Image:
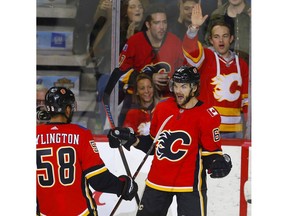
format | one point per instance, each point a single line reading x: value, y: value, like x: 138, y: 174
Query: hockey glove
x: 220, y: 166
x: 121, y: 136
x: 130, y: 187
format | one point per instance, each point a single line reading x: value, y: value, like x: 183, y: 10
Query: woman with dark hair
x: 131, y: 19
x: 144, y: 100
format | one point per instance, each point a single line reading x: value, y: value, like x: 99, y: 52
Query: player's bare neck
x: 193, y: 101
x: 58, y: 119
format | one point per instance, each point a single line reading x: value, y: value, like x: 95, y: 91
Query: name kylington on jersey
x: 55, y: 138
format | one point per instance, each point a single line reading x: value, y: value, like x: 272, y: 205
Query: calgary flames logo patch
x: 222, y: 89
x: 173, y: 148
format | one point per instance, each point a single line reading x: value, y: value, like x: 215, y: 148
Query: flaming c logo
x: 171, y: 138
x: 222, y: 89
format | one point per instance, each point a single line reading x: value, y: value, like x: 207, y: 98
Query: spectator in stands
x: 224, y: 75
x: 179, y: 26
x: 153, y: 46
x: 100, y: 39
x: 170, y: 6
x: 209, y: 6
x: 131, y: 19
x: 143, y: 102
x: 240, y: 11
x: 179, y: 21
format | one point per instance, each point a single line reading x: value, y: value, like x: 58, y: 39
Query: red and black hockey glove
x: 121, y: 136
x: 220, y: 166
x: 130, y: 187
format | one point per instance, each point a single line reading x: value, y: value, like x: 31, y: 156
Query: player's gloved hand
x: 121, y: 136
x: 220, y: 166
x: 114, y: 141
x: 130, y: 187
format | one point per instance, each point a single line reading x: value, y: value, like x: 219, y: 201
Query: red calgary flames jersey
x: 139, y: 120
x: 64, y: 153
x: 187, y: 136
x: 138, y: 53
x: 224, y: 84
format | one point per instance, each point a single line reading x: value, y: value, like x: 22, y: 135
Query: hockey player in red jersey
x: 68, y: 162
x: 188, y: 145
x: 224, y: 75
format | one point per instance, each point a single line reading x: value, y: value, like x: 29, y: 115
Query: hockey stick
x: 144, y: 160
x: 125, y: 163
x: 105, y: 101
x: 152, y: 147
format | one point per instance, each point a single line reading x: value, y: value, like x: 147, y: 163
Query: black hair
x: 153, y: 8
x: 124, y: 21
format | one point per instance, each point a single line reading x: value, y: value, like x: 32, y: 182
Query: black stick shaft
x: 143, y: 161
x: 124, y: 160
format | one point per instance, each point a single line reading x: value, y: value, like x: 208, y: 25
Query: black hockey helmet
x: 186, y: 74
x: 58, y: 98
